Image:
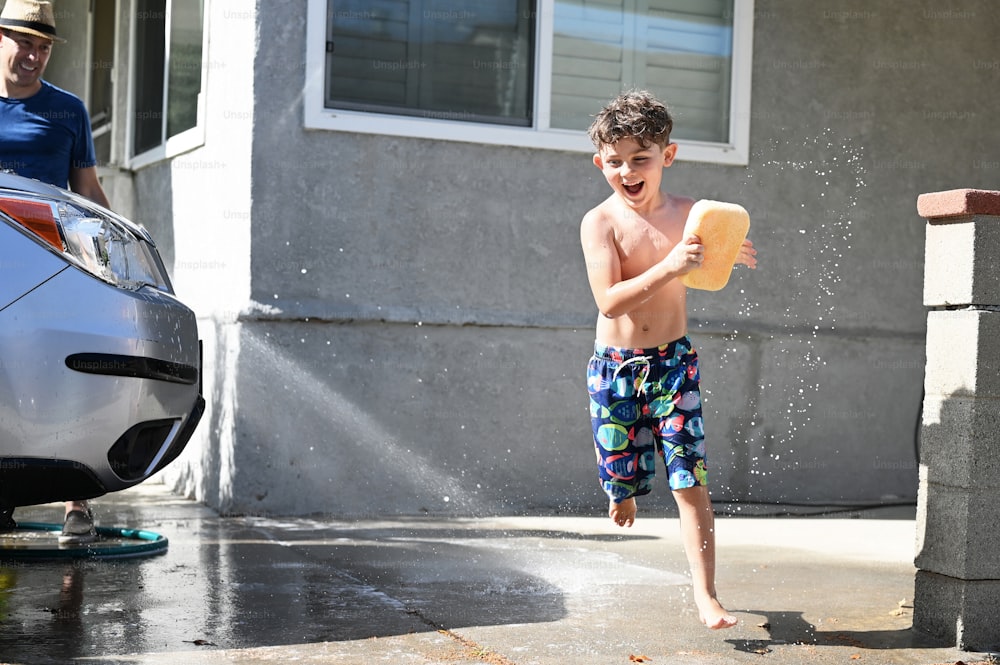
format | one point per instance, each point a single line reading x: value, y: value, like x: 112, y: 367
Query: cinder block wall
x: 958, y: 581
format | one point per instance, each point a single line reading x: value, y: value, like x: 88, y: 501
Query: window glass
x: 102, y: 61
x: 167, y: 70
x: 184, y: 76
x: 680, y: 49
x: 530, y: 73
x: 442, y: 59
x: 150, y: 22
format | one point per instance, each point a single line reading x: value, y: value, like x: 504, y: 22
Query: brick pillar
x: 957, y: 590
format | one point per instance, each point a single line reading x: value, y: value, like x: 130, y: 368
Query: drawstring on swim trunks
x: 640, y: 384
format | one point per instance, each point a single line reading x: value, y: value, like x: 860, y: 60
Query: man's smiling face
x: 23, y: 59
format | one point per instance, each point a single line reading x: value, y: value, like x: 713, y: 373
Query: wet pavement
x: 519, y: 590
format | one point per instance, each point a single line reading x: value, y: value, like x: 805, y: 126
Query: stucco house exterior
x: 374, y: 208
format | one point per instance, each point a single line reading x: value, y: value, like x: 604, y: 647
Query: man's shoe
x: 78, y: 528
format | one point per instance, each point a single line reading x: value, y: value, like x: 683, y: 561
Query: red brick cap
x: 958, y: 202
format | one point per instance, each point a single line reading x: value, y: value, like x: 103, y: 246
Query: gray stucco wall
x: 422, y: 318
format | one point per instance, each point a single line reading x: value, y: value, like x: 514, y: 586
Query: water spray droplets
x: 832, y: 169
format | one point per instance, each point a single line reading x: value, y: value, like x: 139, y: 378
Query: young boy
x: 643, y: 377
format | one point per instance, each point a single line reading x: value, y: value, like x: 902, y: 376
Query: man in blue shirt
x: 44, y: 131
x: 44, y: 134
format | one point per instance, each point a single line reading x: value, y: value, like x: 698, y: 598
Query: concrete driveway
x: 520, y: 590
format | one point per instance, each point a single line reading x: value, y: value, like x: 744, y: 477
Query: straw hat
x: 31, y: 16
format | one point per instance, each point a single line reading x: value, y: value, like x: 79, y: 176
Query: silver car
x: 99, y: 362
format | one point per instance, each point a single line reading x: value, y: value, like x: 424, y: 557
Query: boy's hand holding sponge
x: 722, y: 228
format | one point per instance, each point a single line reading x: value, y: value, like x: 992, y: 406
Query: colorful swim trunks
x: 645, y: 402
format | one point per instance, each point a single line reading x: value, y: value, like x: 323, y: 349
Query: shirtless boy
x: 643, y: 377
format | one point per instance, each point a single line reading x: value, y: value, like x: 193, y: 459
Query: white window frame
x: 187, y: 140
x: 540, y: 135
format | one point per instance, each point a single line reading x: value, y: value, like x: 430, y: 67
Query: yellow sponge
x: 722, y: 228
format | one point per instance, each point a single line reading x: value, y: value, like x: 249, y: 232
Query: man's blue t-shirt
x: 45, y: 135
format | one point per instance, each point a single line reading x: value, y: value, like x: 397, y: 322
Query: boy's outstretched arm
x: 747, y: 255
x: 614, y: 295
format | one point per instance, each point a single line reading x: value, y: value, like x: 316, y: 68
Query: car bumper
x: 99, y: 389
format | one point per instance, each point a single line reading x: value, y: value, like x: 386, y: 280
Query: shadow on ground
x: 791, y: 628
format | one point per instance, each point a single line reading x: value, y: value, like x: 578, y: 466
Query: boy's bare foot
x: 623, y: 513
x: 714, y: 615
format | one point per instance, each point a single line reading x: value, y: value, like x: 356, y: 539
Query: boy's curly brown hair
x: 635, y: 114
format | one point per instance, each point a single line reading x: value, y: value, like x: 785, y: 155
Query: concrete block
x: 921, y: 530
x: 957, y: 203
x: 958, y: 531
x: 960, y: 440
x: 962, y: 262
x: 963, y: 353
x: 960, y: 611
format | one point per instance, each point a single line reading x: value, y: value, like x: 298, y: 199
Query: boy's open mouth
x: 633, y: 189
